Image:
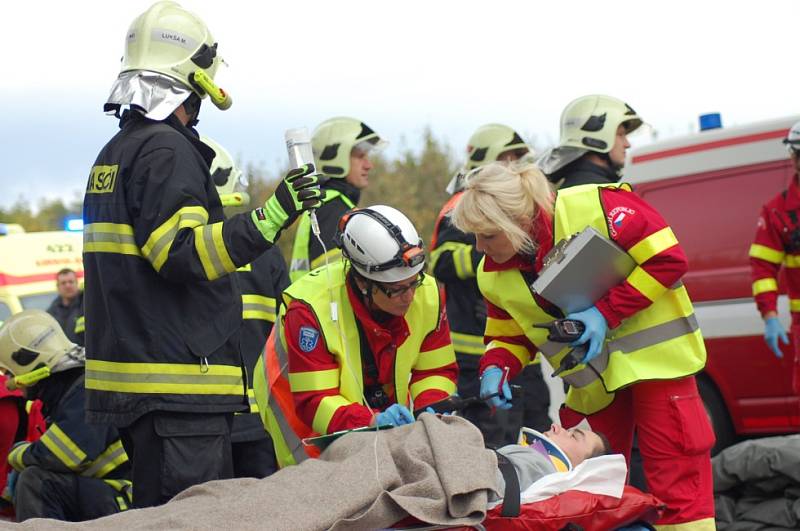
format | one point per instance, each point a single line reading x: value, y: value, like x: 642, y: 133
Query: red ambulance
x: 710, y: 187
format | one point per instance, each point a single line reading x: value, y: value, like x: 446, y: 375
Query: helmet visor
x: 372, y: 146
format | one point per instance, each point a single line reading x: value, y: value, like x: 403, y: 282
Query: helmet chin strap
x: 617, y: 168
x: 192, y: 107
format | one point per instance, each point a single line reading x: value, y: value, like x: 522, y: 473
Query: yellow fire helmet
x: 591, y: 122
x: 169, y: 53
x: 334, y: 139
x: 490, y: 141
x: 227, y: 176
x: 33, y: 341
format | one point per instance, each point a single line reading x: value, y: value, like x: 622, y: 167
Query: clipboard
x: 581, y: 269
x: 323, y: 441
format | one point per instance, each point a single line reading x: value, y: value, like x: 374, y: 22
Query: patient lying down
x: 556, y: 450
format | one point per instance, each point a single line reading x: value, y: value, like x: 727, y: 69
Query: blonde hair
x: 501, y: 197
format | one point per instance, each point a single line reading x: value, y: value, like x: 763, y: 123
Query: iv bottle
x: 298, y: 147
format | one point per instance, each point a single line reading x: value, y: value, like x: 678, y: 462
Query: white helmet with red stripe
x: 792, y: 139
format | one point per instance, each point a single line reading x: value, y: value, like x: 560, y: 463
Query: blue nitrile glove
x: 772, y: 331
x: 595, y: 333
x: 494, y: 382
x: 10, y: 492
x: 396, y: 415
x: 296, y: 193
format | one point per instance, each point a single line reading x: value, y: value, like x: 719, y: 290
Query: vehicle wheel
x: 717, y: 414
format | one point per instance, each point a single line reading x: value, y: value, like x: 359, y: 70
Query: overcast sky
x: 399, y: 66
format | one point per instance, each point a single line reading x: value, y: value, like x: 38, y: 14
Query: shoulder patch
x: 618, y: 217
x: 308, y: 339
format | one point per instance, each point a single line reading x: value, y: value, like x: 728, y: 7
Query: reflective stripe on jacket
x: 662, y: 341
x: 70, y: 445
x: 776, y: 246
x: 273, y: 384
x: 163, y: 312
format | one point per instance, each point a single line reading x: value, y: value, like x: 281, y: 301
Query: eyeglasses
x: 397, y: 291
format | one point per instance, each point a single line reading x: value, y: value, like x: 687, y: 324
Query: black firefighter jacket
x: 162, y: 312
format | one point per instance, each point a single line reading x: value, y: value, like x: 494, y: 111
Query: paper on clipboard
x: 323, y: 441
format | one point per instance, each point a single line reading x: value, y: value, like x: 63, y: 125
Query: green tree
x: 49, y: 215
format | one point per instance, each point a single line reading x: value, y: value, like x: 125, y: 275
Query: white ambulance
x: 29, y: 262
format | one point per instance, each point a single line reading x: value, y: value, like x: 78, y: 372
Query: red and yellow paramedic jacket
x: 310, y: 381
x: 773, y: 247
x: 631, y: 223
x: 384, y: 338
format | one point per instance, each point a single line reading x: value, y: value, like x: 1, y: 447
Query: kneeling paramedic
x: 360, y: 340
x: 76, y: 471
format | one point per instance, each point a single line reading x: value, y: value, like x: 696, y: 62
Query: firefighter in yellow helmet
x: 76, y: 471
x: 594, y: 140
x: 163, y: 314
x: 454, y: 261
x: 342, y: 148
x: 261, y: 283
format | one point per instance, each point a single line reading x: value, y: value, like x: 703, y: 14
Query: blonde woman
x: 643, y: 341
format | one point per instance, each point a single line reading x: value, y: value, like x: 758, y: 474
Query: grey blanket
x: 435, y: 469
x: 757, y: 485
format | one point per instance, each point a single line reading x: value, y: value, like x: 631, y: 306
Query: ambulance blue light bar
x: 73, y: 224
x: 712, y: 120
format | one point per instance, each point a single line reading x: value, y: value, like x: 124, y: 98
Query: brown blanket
x: 435, y: 469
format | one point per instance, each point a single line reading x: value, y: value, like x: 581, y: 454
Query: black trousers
x: 254, y: 459
x: 63, y: 496
x: 170, y: 452
x: 502, y: 427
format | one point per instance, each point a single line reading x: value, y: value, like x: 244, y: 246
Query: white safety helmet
x: 227, y: 176
x: 169, y: 53
x: 33, y: 339
x: 381, y: 243
x: 792, y: 139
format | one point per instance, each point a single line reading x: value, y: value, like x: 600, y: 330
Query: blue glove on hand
x: 396, y: 415
x: 10, y: 492
x: 494, y: 381
x: 595, y: 333
x: 772, y: 331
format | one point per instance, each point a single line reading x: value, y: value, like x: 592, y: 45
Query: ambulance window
x: 5, y: 312
x: 40, y: 302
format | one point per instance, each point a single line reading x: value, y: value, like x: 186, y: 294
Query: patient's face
x: 578, y: 444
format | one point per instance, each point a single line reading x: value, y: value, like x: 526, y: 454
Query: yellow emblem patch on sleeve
x: 102, y: 179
